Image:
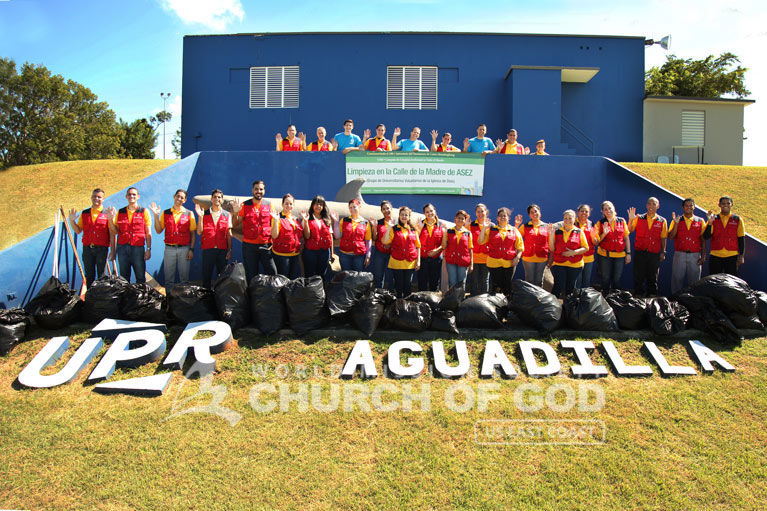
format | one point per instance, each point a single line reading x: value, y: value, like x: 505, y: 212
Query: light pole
x: 164, y: 96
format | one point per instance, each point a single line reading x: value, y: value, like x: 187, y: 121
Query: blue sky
x: 130, y: 51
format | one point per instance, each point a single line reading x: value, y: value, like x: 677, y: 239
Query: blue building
x: 583, y: 94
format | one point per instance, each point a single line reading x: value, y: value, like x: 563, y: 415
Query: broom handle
x: 74, y: 248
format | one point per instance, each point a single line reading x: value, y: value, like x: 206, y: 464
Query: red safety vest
x: 373, y: 144
x: 725, y: 237
x: 95, y: 233
x: 476, y: 230
x: 431, y: 242
x: 519, y: 148
x: 353, y: 241
x: 176, y: 233
x: 688, y: 240
x: 614, y: 241
x: 502, y: 248
x: 536, y: 245
x: 288, y: 240
x: 319, y: 235
x: 315, y: 146
x: 588, y: 230
x: 403, y: 245
x: 131, y: 233
x: 440, y: 149
x: 257, y: 222
x: 214, y: 234
x: 457, y: 249
x: 288, y: 146
x: 573, y: 243
x: 648, y: 238
x: 381, y: 229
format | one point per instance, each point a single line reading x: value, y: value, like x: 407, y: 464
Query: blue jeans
x: 564, y: 279
x: 403, y: 282
x: 430, y: 274
x: 534, y: 272
x: 94, y: 261
x: 611, y: 269
x: 287, y: 266
x: 130, y: 257
x: 175, y: 258
x: 352, y: 262
x: 316, y: 262
x: 212, y: 257
x: 257, y: 258
x: 455, y: 274
x: 382, y: 276
x: 584, y: 279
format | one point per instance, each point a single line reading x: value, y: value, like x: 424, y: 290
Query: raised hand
x: 335, y: 144
x: 334, y: 216
x: 275, y: 215
x: 305, y: 215
x: 673, y: 216
x: 372, y: 221
x: 498, y: 142
x: 236, y: 206
x: 111, y: 212
x: 278, y: 137
x: 711, y: 215
x: 198, y: 209
x: 434, y: 135
x: 155, y: 208
x: 301, y: 136
x: 397, y: 131
x: 632, y: 211
x: 527, y: 150
x: 73, y: 215
x: 366, y: 133
x: 465, y: 143
x: 518, y: 220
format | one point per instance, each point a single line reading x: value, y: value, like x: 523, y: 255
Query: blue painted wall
x: 472, y: 87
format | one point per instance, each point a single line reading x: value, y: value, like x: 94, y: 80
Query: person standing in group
x: 585, y: 225
x: 354, y: 233
x: 180, y: 234
x: 479, y: 282
x: 318, y: 236
x: 94, y: 224
x: 649, y: 247
x: 286, y: 240
x: 430, y: 234
x: 255, y: 216
x: 347, y: 141
x: 215, y: 230
x: 728, y: 239
x: 292, y: 143
x: 536, y: 237
x: 405, y: 252
x: 540, y: 148
x: 410, y: 144
x: 379, y: 260
x: 504, y: 250
x: 445, y: 146
x: 321, y: 144
x: 689, y: 246
x: 130, y: 230
x: 378, y: 143
x: 458, y: 249
x: 614, y: 251
x: 480, y: 143
x: 510, y: 145
x: 567, y: 245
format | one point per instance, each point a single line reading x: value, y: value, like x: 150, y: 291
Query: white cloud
x: 216, y: 14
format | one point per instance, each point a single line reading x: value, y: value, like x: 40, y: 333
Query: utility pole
x: 165, y: 96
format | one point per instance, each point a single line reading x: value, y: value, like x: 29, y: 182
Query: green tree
x: 176, y: 143
x: 137, y: 139
x: 711, y: 77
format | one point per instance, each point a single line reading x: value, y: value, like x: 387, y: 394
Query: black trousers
x: 723, y: 265
x: 430, y: 274
x: 646, y: 266
x: 501, y: 278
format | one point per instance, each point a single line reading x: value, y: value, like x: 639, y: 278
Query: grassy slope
x: 43, y: 188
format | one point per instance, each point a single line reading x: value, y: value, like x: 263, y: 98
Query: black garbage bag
x: 453, y: 297
x: 483, y: 311
x: 305, y: 301
x: 586, y: 309
x: 13, y: 326
x: 231, y: 294
x: 367, y: 313
x: 761, y: 303
x: 535, y: 306
x: 707, y: 317
x: 431, y: 298
x: 513, y: 321
x: 102, y: 300
x: 55, y: 306
x: 444, y: 321
x: 746, y: 322
x: 666, y: 317
x: 408, y: 316
x: 630, y: 312
x: 346, y: 288
x: 267, y: 303
x: 188, y: 303
x: 142, y: 302
x: 730, y: 293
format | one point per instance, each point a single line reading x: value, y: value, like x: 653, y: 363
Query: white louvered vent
x: 411, y: 88
x: 274, y: 87
x: 693, y: 127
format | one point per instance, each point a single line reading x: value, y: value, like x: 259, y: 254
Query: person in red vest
x: 318, y: 238
x: 379, y: 260
x: 504, y: 250
x: 536, y: 236
x: 321, y: 144
x: 728, y: 239
x: 479, y: 281
x: 287, y: 236
x: 292, y: 143
x: 94, y: 224
x: 215, y: 230
x: 567, y: 244
x: 430, y: 233
x: 255, y: 216
x: 180, y: 234
x: 589, y: 229
x: 405, y: 252
x: 649, y: 246
x: 445, y: 146
x: 355, y: 235
x: 614, y: 251
x: 130, y: 233
x: 689, y: 246
x: 378, y: 143
x: 458, y: 247
x: 510, y: 146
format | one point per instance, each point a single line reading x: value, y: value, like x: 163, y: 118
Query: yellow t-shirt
x: 492, y: 262
x: 534, y: 230
x: 176, y: 215
x: 584, y: 244
x: 396, y: 264
x: 279, y: 228
x: 600, y: 250
x: 741, y: 232
x: 355, y: 221
x: 94, y: 215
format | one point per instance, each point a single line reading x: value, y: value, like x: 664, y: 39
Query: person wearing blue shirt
x: 410, y: 144
x: 346, y: 141
x: 479, y: 144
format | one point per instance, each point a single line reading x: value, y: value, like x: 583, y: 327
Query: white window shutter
x: 274, y: 87
x: 411, y: 88
x: 694, y: 127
